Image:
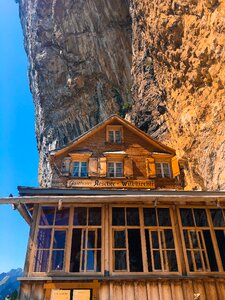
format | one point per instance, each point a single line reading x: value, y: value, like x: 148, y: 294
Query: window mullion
x: 143, y: 242
x: 68, y: 245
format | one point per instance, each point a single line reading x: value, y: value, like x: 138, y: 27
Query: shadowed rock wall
x: 83, y: 64
x: 80, y: 60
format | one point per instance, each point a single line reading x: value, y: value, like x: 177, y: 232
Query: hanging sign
x: 81, y: 294
x: 60, y: 295
x: 116, y: 184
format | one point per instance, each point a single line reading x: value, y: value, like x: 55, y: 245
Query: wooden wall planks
x: 184, y: 289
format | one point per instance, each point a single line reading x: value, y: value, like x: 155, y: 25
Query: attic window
x: 114, y: 134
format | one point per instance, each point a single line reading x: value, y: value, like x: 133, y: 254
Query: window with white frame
x: 80, y: 169
x: 163, y: 170
x: 115, y: 169
x: 114, y: 134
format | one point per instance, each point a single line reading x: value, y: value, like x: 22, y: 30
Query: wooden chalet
x: 115, y: 224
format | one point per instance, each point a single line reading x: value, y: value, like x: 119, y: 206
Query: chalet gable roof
x: 109, y: 121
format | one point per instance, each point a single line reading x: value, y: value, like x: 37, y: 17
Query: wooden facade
x: 115, y: 224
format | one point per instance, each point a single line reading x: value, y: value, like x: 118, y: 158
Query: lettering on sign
x: 103, y: 183
x: 60, y: 295
x: 81, y: 294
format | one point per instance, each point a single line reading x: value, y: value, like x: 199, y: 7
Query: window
x: 161, y: 254
x: 157, y: 240
x: 127, y: 251
x: 80, y: 169
x: 115, y: 169
x: 86, y: 240
x: 51, y: 240
x: 198, y: 241
x: 218, y: 221
x: 66, y: 166
x: 163, y: 170
x: 114, y: 134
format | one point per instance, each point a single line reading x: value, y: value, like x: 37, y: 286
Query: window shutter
x: 102, y: 166
x: 66, y: 166
x: 93, y: 167
x: 175, y: 166
x: 150, y: 166
x: 128, y: 167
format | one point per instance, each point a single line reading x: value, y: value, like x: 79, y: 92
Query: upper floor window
x: 80, y: 169
x: 163, y: 170
x: 115, y: 169
x: 114, y: 134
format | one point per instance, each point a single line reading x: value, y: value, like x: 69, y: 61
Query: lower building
x: 104, y: 244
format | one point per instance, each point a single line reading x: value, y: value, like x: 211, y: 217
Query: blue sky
x: 18, y: 150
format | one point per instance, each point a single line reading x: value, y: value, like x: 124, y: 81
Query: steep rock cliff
x: 79, y: 66
x: 81, y: 70
x: 179, y: 82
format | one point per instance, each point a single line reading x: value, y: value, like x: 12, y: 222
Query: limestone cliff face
x: 80, y: 60
x: 179, y: 82
x: 83, y: 64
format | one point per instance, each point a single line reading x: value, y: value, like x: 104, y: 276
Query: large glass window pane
x: 220, y: 237
x: 75, y: 250
x: 90, y: 260
x: 44, y: 238
x: 99, y: 258
x: 210, y: 250
x: 59, y: 239
x: 80, y: 216
x: 62, y: 217
x: 119, y: 169
x: 166, y: 170
x: 217, y: 217
x: 148, y: 250
x: 157, y: 260
x: 95, y: 216
x: 118, y: 216
x: 164, y: 216
x: 83, y: 169
x: 57, y: 260
x: 190, y: 261
x: 158, y: 170
x: 169, y: 238
x: 120, y: 239
x: 200, y: 217
x: 186, y: 217
x: 120, y: 260
x: 91, y: 239
x: 47, y: 216
x: 186, y: 239
x: 135, y: 253
x: 75, y: 169
x: 172, y: 260
x: 155, y: 239
x: 150, y: 217
x: 41, y: 261
x: 132, y: 216
x: 118, y: 136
